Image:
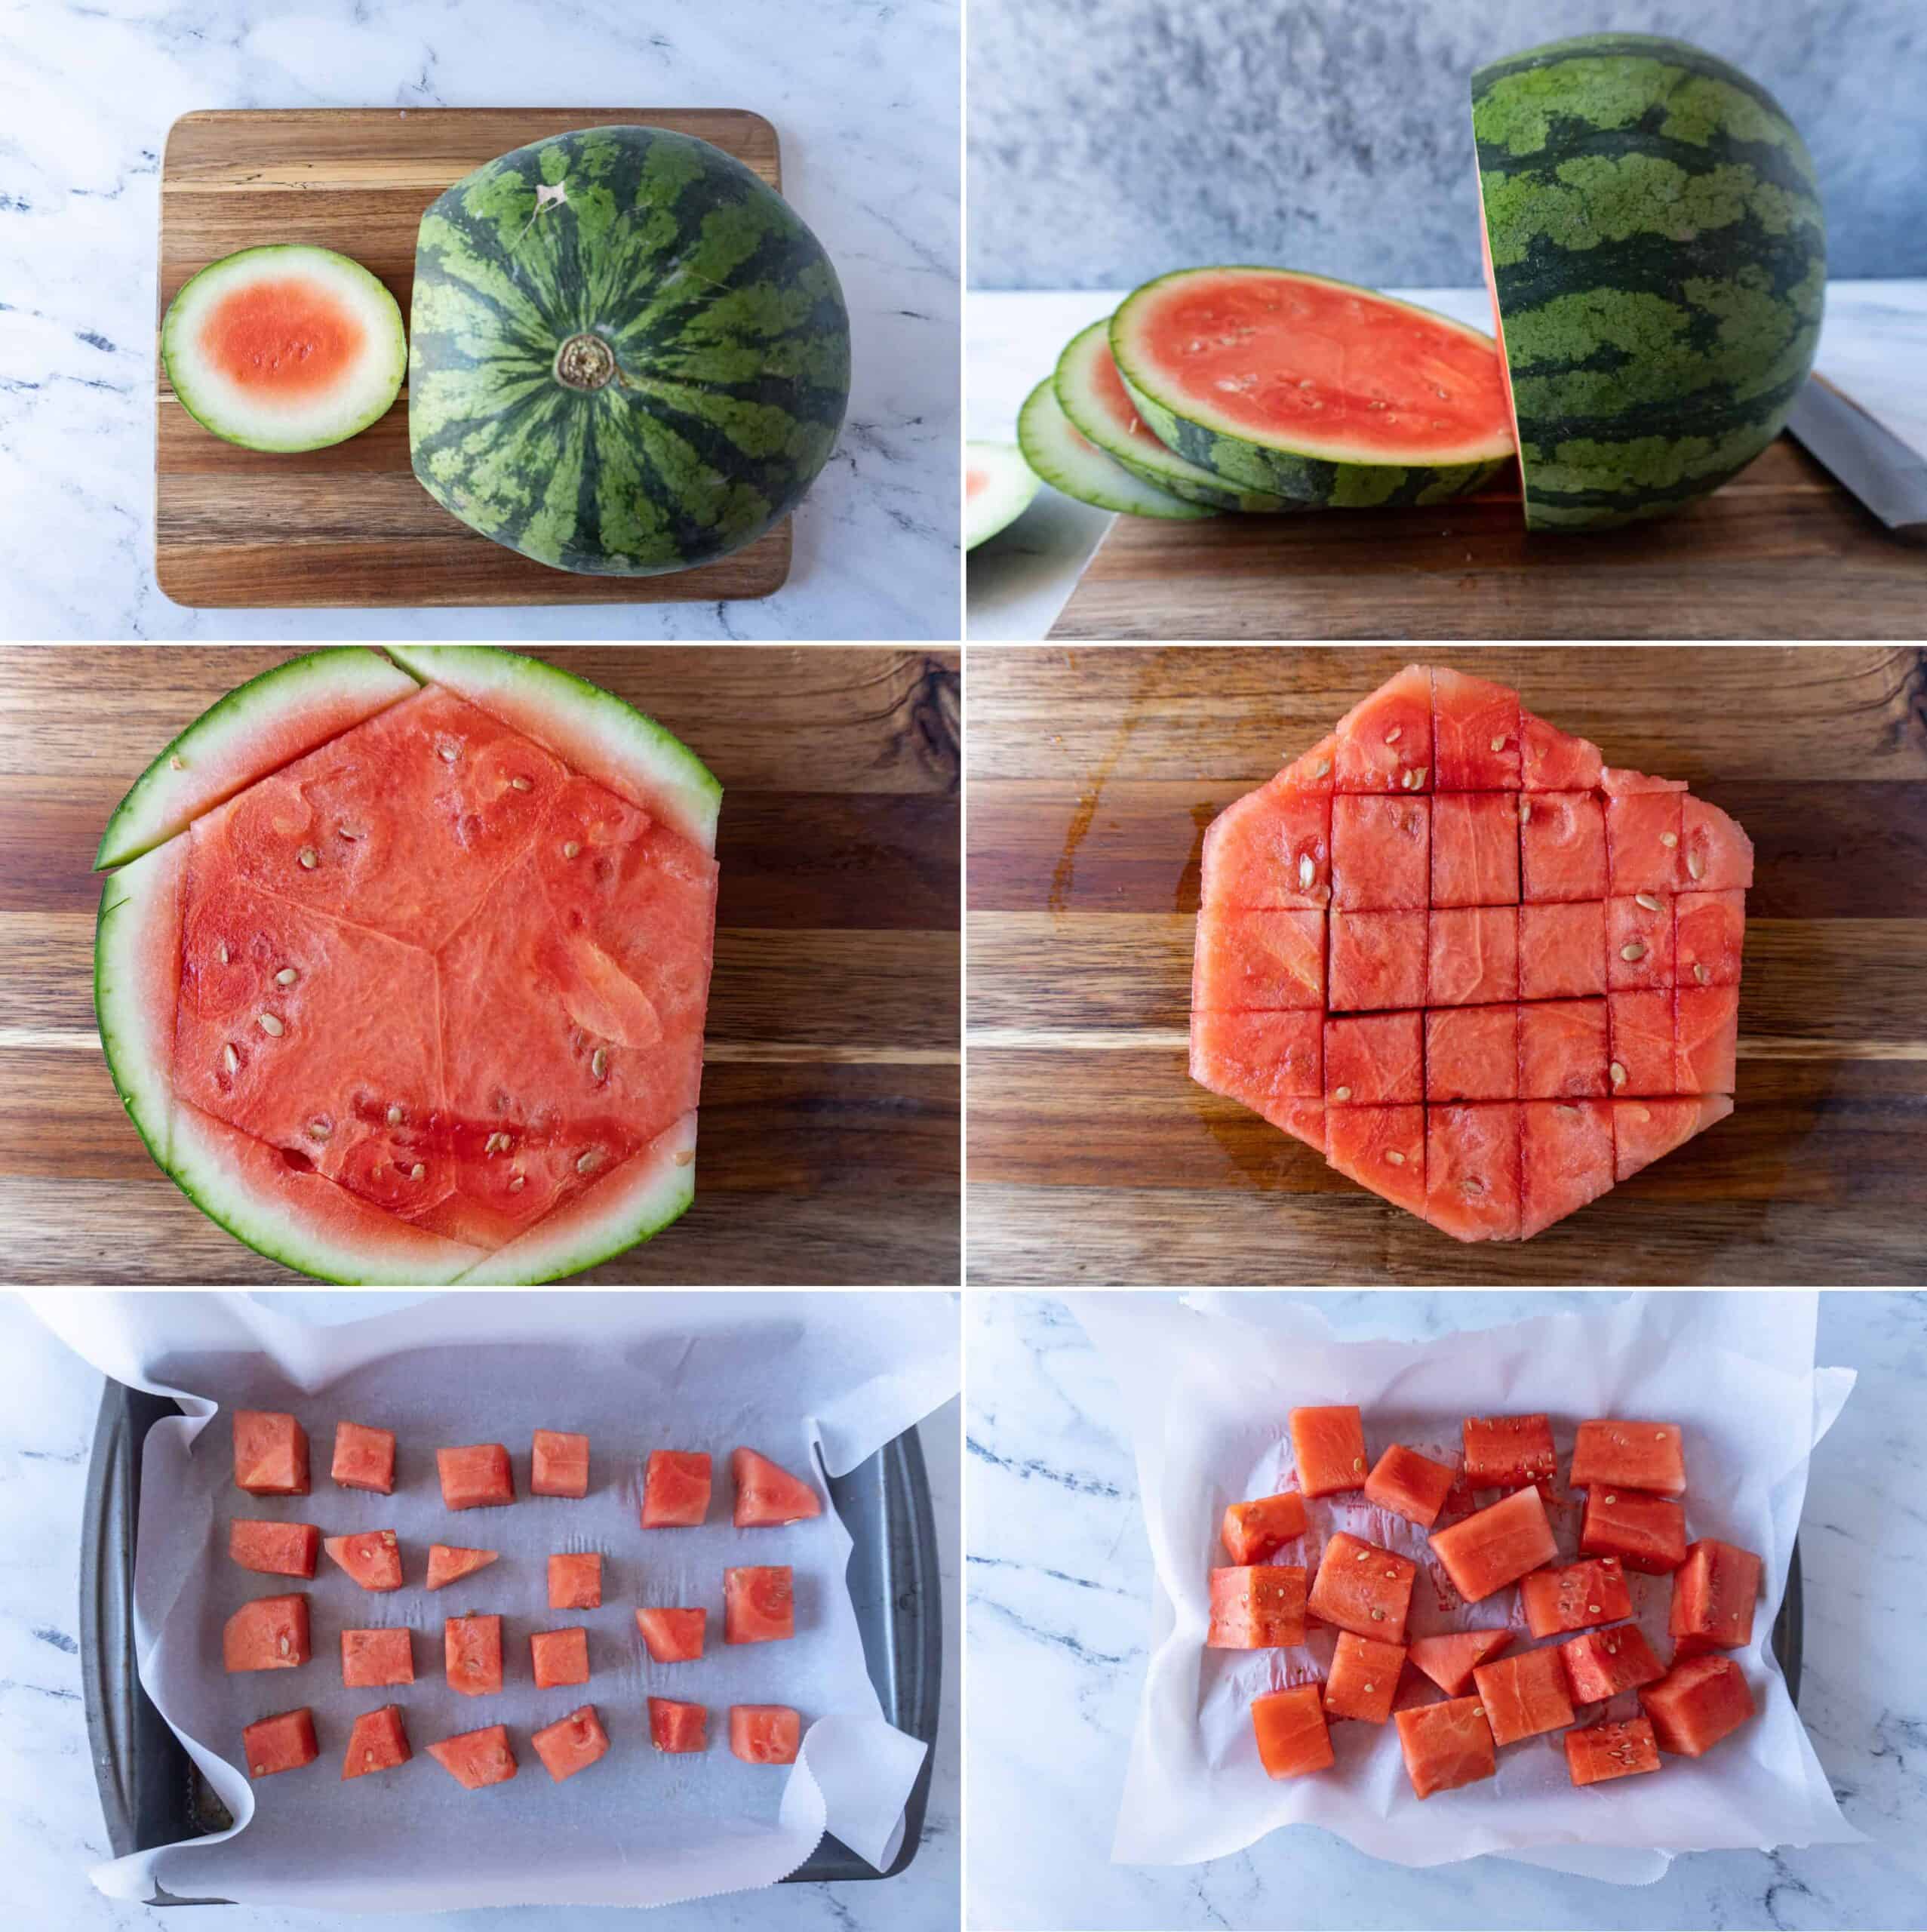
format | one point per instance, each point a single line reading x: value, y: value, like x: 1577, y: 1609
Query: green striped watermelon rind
x: 1658, y: 256
x: 703, y: 314
x: 1068, y: 461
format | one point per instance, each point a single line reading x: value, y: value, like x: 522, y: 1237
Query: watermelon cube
x: 1646, y: 1533
x: 1363, y: 1678
x: 1378, y: 853
x: 1272, y: 850
x: 1385, y: 740
x: 1293, y: 1736
x: 1360, y: 1587
x: 1472, y: 1053
x: 571, y: 1744
x: 471, y: 1648
x: 558, y: 1464
x: 759, y: 1604
x: 1710, y: 932
x: 1642, y: 823
x: 673, y: 1636
x: 373, y: 1558
x: 1266, y: 1061
x: 1410, y: 1485
x: 1450, y: 1660
x: 675, y: 1493
x: 1254, y: 1531
x: 1643, y: 1130
x: 477, y: 1757
x: 1641, y: 1042
x: 1561, y: 848
x: 476, y: 1476
x: 1713, y: 1597
x: 364, y: 1458
x: 270, y: 1453
x: 1562, y: 1050
x: 1575, y: 1597
x: 1507, y: 1452
x: 1717, y: 855
x: 765, y: 1733
x: 1524, y: 1696
x: 1475, y: 734
x: 1551, y: 760
x: 371, y: 1659
x: 1446, y: 1745
x: 1256, y: 1607
x: 271, y: 1633
x: 1649, y: 1456
x: 1565, y: 1152
x: 559, y: 1656
x: 1639, y: 941
x: 1249, y: 960
x: 1599, y: 1664
x: 448, y: 1561
x: 1378, y: 962
x: 378, y: 1742
x: 282, y: 1742
x: 575, y: 1580
x: 1622, y: 1749
x: 273, y: 1549
x: 1475, y: 849
x: 1496, y: 1546
x: 1472, y: 956
x: 767, y: 1496
x: 1707, y: 1020
x: 1702, y: 1699
x: 677, y: 1727
x: 1312, y: 773
x: 1472, y: 1171
x: 1562, y: 950
x: 1383, y: 1149
x: 1375, y: 1059
x: 1328, y: 1445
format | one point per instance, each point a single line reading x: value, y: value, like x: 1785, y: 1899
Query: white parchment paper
x: 1209, y: 1385
x: 817, y: 1381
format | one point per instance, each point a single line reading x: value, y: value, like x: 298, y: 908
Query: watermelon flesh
x: 1328, y: 1446
x: 1523, y: 1696
x: 1254, y: 1531
x: 282, y: 1742
x: 1449, y: 1661
x: 1446, y: 1745
x: 1700, y: 1700
x: 1410, y: 1485
x: 1362, y: 1588
x: 1645, y: 1533
x: 1293, y: 1736
x: 765, y: 1733
x: 1256, y: 1607
x: 1497, y: 1545
x: 1507, y: 1452
x: 1364, y: 1679
x: 1575, y: 1597
x: 1713, y: 1592
x: 1599, y: 1664
x: 1602, y: 1751
x: 449, y: 1562
x: 1649, y: 1456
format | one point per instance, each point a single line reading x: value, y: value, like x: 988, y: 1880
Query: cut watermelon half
x: 403, y: 974
x: 998, y: 486
x: 1487, y: 976
x: 1068, y: 460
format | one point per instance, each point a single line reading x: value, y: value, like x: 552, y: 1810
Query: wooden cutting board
x: 350, y: 525
x: 1094, y: 1159
x: 829, y: 1136
x: 1783, y: 551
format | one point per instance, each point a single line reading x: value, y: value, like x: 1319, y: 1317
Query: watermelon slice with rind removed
x: 998, y: 487
x: 1068, y: 460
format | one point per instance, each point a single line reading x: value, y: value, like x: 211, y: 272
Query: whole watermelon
x: 628, y: 355
x: 1658, y: 263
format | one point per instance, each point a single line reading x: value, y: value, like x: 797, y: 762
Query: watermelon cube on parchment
x: 371, y: 1659
x: 1253, y: 1530
x: 1713, y: 1592
x: 1410, y: 1485
x: 270, y: 1453
x: 1472, y: 956
x: 1378, y: 960
x: 1641, y: 1027
x: 759, y: 1604
x: 675, y: 1491
x: 1446, y: 1745
x: 558, y: 1464
x: 471, y: 1648
x: 1385, y: 740
x: 1561, y: 848
x: 1472, y: 1170
x: 1375, y: 1059
x: 1450, y: 1660
x: 448, y: 1561
x: 373, y: 1558
x: 1639, y: 941
x: 1646, y: 1533
x: 1710, y: 931
x: 1363, y: 1678
x: 1328, y: 1447
x: 1562, y: 950
x: 1620, y: 1749
x: 1258, y: 960
x: 672, y: 1635
x: 575, y: 1580
x: 1575, y: 1596
x: 1524, y: 1696
x: 1611, y: 1452
x: 1599, y: 1664
x: 282, y: 1742
x: 1642, y: 821
x: 1381, y: 1148
x: 271, y: 1633
x: 765, y: 1733
x: 1272, y: 850
x: 273, y: 1549
x: 475, y: 1477
x: 364, y: 1458
x: 378, y: 1742
x: 1562, y: 1050
x: 1716, y: 855
x: 477, y: 1757
x: 1706, y: 1038
x: 767, y: 1496
x: 1472, y: 1053
x: 1496, y: 1546
x: 678, y: 1728
x: 1265, y: 1060
x: 1475, y: 734
x: 1256, y: 1607
x: 1566, y: 1153
x: 1379, y: 848
x: 1360, y: 1587
x: 1508, y: 1452
x: 1643, y: 1130
x: 559, y: 1656
x: 1293, y: 1738
x: 1702, y: 1699
x: 1551, y: 760
x: 1475, y: 849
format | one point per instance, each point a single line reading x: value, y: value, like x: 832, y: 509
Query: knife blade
x: 1865, y: 456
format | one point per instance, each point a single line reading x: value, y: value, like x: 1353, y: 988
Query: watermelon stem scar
x: 587, y: 362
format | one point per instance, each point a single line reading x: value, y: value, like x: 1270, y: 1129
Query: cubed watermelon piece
x: 1256, y: 1607
x: 373, y: 1558
x: 678, y: 1728
x: 1702, y: 1699
x: 1257, y: 962
x: 476, y: 1476
x: 759, y: 1604
x: 1446, y: 1745
x: 1378, y: 962
x: 1496, y: 1546
x: 1475, y: 734
x: 1379, y: 849
x: 1615, y: 1749
x: 1472, y: 1053
x: 575, y: 1580
x: 472, y: 1649
x: 1599, y: 1664
x: 1328, y: 1446
x: 1410, y: 1485
x: 1303, y: 1119
x: 1641, y: 1042
x: 1472, y: 956
x: 282, y: 1742
x: 1472, y: 1170
x: 1643, y: 1130
x: 1717, y: 855
x: 1272, y: 850
x: 271, y: 1633
x: 765, y: 1733
x: 1375, y: 1059
x: 364, y: 1458
x: 1562, y: 950
x: 1313, y: 771
x: 675, y: 1493
x: 1266, y: 1061
x: 1450, y: 1660
x: 1363, y: 1678
x: 1507, y: 1452
x: 571, y: 1744
x: 1566, y: 1158
x: 1475, y: 849
x: 1523, y: 1696
x: 1639, y: 941
x: 1713, y: 1592
x: 447, y: 1561
x: 1562, y: 1050
x: 1385, y: 740
x: 378, y: 1742
x: 1383, y: 1149
x: 673, y: 1636
x: 558, y: 1464
x: 273, y: 1549
x: 1707, y: 1020
x: 1575, y: 1597
x: 1551, y: 760
x: 1360, y: 1587
x: 1641, y: 833
x: 1291, y: 1733
x: 1255, y: 1529
x: 1709, y: 933
x: 1561, y: 848
x: 477, y: 1757
x: 1649, y: 1456
x: 270, y: 1453
x: 767, y: 1496
x: 370, y: 1659
x: 1646, y: 1533
x: 559, y: 1656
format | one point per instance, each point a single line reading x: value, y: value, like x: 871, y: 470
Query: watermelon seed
x: 1391, y: 736
x: 1695, y: 865
x: 569, y: 851
x: 1613, y: 1498
x: 1592, y: 1609
x: 286, y: 1647
x: 418, y: 1172
x: 1525, y: 811
x: 1633, y: 949
x: 221, y: 951
x: 683, y: 1155
x: 1646, y: 900
x: 395, y: 1116
x: 1395, y: 1157
x: 1498, y: 743
x: 321, y: 1126
x: 1563, y: 1108
x: 260, y: 1771
x: 1618, y: 1074
x: 286, y: 977
x: 1378, y: 1616
x: 519, y: 785
x: 1343, y: 1094
x: 1669, y: 839
x: 590, y: 1162
x: 175, y: 764
x: 449, y: 752
x: 598, y: 1063
x: 520, y: 1181
x: 1418, y: 778
x: 1700, y: 973
x: 230, y: 1059
x: 270, y: 1025
x: 1472, y: 1186
x: 308, y: 857
x: 351, y: 830
x: 1306, y: 872
x: 1364, y: 1555
x: 498, y: 1143
x: 1324, y: 769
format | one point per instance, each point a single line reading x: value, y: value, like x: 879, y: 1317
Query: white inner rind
x: 1068, y: 461
x: 1010, y: 484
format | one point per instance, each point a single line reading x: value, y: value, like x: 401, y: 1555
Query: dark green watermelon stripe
x: 1673, y: 53
x: 1580, y: 140
x: 1713, y: 412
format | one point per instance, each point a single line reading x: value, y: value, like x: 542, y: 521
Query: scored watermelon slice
x: 403, y: 976
x: 1450, y: 1660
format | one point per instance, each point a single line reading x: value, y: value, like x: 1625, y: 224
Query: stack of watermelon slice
x: 1487, y: 975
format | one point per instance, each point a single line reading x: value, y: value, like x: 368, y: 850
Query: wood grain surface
x: 829, y: 1149
x: 1782, y: 552
x: 350, y: 525
x: 1093, y: 1159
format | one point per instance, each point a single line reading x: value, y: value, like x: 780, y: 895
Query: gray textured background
x: 1112, y: 139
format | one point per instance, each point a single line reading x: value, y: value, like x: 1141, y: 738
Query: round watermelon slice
x: 1069, y: 461
x: 285, y: 349
x: 1313, y: 390
x: 424, y: 1001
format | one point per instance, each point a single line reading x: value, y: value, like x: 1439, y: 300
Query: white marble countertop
x: 864, y: 101
x: 1059, y: 1596
x: 1873, y: 344
x: 51, y: 1827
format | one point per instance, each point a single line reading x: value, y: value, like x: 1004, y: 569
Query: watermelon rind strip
x: 140, y: 915
x: 1062, y: 457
